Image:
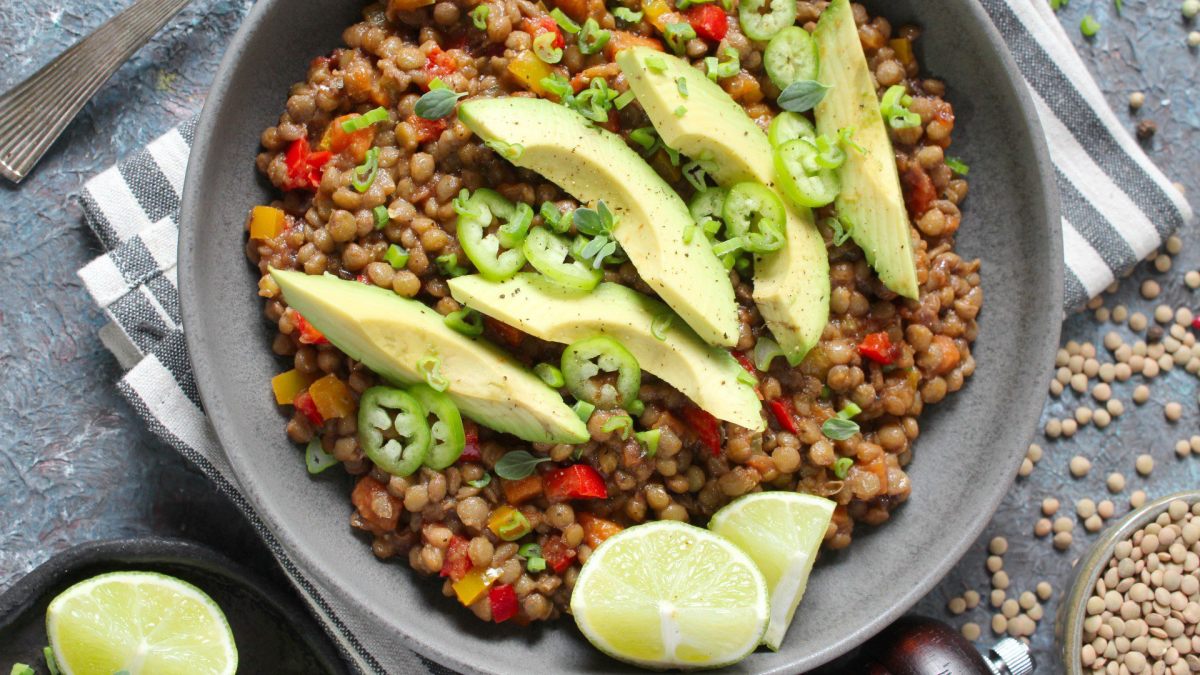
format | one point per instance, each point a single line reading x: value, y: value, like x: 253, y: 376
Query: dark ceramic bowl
x: 967, y: 455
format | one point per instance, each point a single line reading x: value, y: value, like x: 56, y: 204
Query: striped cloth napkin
x: 1117, y: 208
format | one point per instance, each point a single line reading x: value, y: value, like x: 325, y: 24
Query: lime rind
x: 781, y: 532
x: 671, y: 595
x: 139, y: 622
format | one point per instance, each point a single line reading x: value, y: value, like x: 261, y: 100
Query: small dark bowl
x: 968, y: 453
x: 273, y: 632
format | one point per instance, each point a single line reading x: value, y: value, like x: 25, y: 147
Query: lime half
x: 781, y: 532
x: 667, y: 594
x: 141, y: 623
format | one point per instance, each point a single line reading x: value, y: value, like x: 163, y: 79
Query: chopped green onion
x: 894, y: 107
x: 365, y: 120
x: 644, y: 136
x: 765, y: 351
x: 802, y: 96
x: 22, y: 669
x: 681, y: 85
x: 530, y: 551
x: 689, y: 231
x: 637, y: 408
x: 430, y: 366
x: 732, y: 245
x: 381, y: 216
x: 649, y: 440
x: 592, y: 38
x: 839, y: 429
x: 1089, y: 26
x: 680, y: 111
x: 510, y: 151
x: 316, y: 459
x: 364, y: 174
x: 957, y: 166
x: 564, y: 22
x: 1058, y: 4
x: 746, y: 378
x: 448, y: 264
x: 51, y: 662
x: 677, y: 35
x: 466, y: 321
x: 623, y: 423
x: 655, y: 63
x: 487, y: 477
x: 623, y: 100
x: 479, y: 16
x: 842, y: 467
x: 543, y: 47
x: 846, y: 139
x: 536, y: 565
x: 437, y: 102
x: 840, y: 233
x: 558, y: 85
x: 517, y: 464
x: 396, y: 256
x: 627, y: 15
x: 849, y: 411
x: 584, y: 410
x: 719, y: 70
x: 661, y: 324
x: 551, y: 375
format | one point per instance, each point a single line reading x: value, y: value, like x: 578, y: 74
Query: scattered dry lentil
x: 1144, y: 464
x: 1080, y: 465
x: 1141, y: 394
x: 1150, y: 289
x: 1173, y: 411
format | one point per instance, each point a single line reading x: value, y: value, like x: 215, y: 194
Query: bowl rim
x: 1069, y: 622
x: 938, y: 565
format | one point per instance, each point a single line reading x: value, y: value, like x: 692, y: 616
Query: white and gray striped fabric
x: 1117, y: 208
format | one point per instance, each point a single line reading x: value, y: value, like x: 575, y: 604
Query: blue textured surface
x: 77, y: 465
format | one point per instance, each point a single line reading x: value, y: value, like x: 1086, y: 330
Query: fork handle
x: 34, y: 113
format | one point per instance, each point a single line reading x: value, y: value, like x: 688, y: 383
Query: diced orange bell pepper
x: 903, y: 49
x: 267, y: 222
x: 517, y: 492
x: 655, y: 9
x: 529, y: 71
x: 287, y: 385
x: 622, y: 40
x: 366, y: 496
x: 596, y: 529
x: 336, y: 139
x: 576, y: 9
x: 332, y: 397
x: 408, y: 5
x: 508, y: 523
x: 475, y: 584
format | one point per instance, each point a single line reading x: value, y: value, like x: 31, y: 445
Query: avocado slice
x: 871, y: 201
x: 592, y: 165
x: 791, y: 286
x: 706, y: 374
x: 391, y: 334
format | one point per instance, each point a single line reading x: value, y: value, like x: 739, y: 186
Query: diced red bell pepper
x: 578, y: 481
x: 705, y: 426
x: 470, y: 451
x: 709, y: 21
x: 366, y: 495
x: 782, y: 409
x: 506, y: 333
x: 545, y: 24
x: 878, y: 348
x: 308, y: 334
x: 457, y: 562
x: 363, y: 279
x: 503, y: 598
x: 439, y: 64
x: 920, y: 191
x: 1196, y: 323
x: 308, y: 407
x: 427, y: 130
x: 304, y: 167
x: 742, y: 357
x: 557, y: 554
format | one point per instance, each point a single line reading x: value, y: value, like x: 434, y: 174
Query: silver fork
x: 34, y: 113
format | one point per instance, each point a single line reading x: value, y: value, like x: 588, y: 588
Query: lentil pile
x: 1143, y: 614
x: 438, y: 520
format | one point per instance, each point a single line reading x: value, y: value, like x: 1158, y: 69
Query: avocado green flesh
x: 871, y: 200
x: 391, y: 334
x: 593, y: 165
x: 707, y: 375
x: 791, y: 286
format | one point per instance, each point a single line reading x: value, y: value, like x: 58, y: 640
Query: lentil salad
x: 881, y: 354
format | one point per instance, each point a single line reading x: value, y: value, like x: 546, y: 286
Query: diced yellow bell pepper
x: 903, y: 49
x: 475, y: 584
x: 529, y: 71
x: 287, y: 385
x: 332, y: 397
x: 509, y: 524
x: 655, y: 9
x: 266, y: 222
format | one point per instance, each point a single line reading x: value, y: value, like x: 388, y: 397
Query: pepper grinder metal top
x: 1010, y: 657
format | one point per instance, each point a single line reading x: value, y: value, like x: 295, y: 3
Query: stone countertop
x: 78, y: 465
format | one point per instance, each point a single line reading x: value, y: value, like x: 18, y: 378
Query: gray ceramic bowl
x: 1068, y: 624
x: 966, y: 457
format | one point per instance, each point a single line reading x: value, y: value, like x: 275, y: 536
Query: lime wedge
x: 141, y: 623
x: 781, y: 532
x: 667, y: 594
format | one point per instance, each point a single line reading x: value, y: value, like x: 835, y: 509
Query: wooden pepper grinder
x: 916, y: 645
